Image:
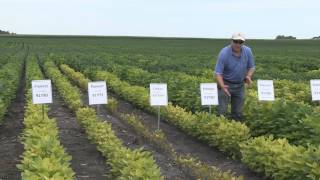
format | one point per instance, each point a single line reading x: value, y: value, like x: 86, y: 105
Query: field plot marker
x: 315, y: 89
x: 41, y: 93
x: 266, y: 90
x: 158, y: 97
x: 97, y: 93
x: 209, y: 95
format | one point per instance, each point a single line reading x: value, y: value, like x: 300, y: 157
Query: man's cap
x: 238, y: 36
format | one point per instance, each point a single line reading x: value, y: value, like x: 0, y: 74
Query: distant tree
x: 6, y: 32
x: 285, y: 37
x: 317, y: 37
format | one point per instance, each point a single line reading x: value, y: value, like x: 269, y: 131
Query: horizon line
x: 143, y: 36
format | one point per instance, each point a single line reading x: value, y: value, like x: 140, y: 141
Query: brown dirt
x: 130, y: 139
x: 185, y: 144
x: 182, y: 143
x: 87, y: 162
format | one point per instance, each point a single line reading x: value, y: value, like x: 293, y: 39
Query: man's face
x: 236, y: 45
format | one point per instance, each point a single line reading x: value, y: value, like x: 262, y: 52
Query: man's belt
x: 232, y: 82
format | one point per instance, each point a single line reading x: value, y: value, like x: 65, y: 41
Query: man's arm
x: 249, y: 76
x: 251, y: 68
x: 224, y: 87
x: 219, y: 79
x: 219, y: 72
x: 250, y: 72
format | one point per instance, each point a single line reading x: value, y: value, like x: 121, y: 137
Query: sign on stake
x: 265, y: 90
x: 209, y: 94
x: 97, y: 93
x: 315, y: 89
x: 158, y: 97
x: 41, y: 93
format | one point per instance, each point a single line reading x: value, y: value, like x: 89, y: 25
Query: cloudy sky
x: 176, y: 18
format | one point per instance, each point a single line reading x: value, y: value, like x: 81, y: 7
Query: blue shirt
x: 232, y: 68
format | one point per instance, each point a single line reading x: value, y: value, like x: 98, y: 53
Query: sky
x: 259, y: 19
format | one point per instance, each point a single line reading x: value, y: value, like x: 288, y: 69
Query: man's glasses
x: 238, y: 41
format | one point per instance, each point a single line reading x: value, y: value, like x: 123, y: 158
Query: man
x: 235, y: 66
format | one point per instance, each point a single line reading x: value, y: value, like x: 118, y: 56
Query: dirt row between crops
x: 11, y: 147
x: 87, y: 162
x: 132, y: 140
x: 181, y: 142
x: 185, y: 144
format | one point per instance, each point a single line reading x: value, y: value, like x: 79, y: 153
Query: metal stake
x: 158, y: 117
x: 98, y: 109
x: 42, y: 112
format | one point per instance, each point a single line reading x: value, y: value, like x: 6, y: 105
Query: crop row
x: 44, y: 157
x: 9, y: 82
x: 229, y: 136
x: 198, y: 169
x: 289, y: 117
x: 125, y: 163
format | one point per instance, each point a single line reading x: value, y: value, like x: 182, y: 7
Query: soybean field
x: 70, y: 139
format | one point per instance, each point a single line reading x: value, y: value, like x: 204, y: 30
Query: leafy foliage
x: 43, y: 156
x: 70, y: 93
x: 224, y: 134
x: 193, y: 166
x: 284, y: 119
x: 126, y: 163
x: 9, y: 82
x: 280, y: 160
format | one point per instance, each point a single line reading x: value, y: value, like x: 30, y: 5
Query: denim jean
x: 236, y: 99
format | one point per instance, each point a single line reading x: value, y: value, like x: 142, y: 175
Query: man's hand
x: 225, y: 89
x: 248, y: 80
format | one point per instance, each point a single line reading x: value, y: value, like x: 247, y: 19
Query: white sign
x: 41, y: 91
x: 265, y: 90
x: 209, y: 94
x: 315, y: 89
x: 97, y: 92
x: 158, y: 94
